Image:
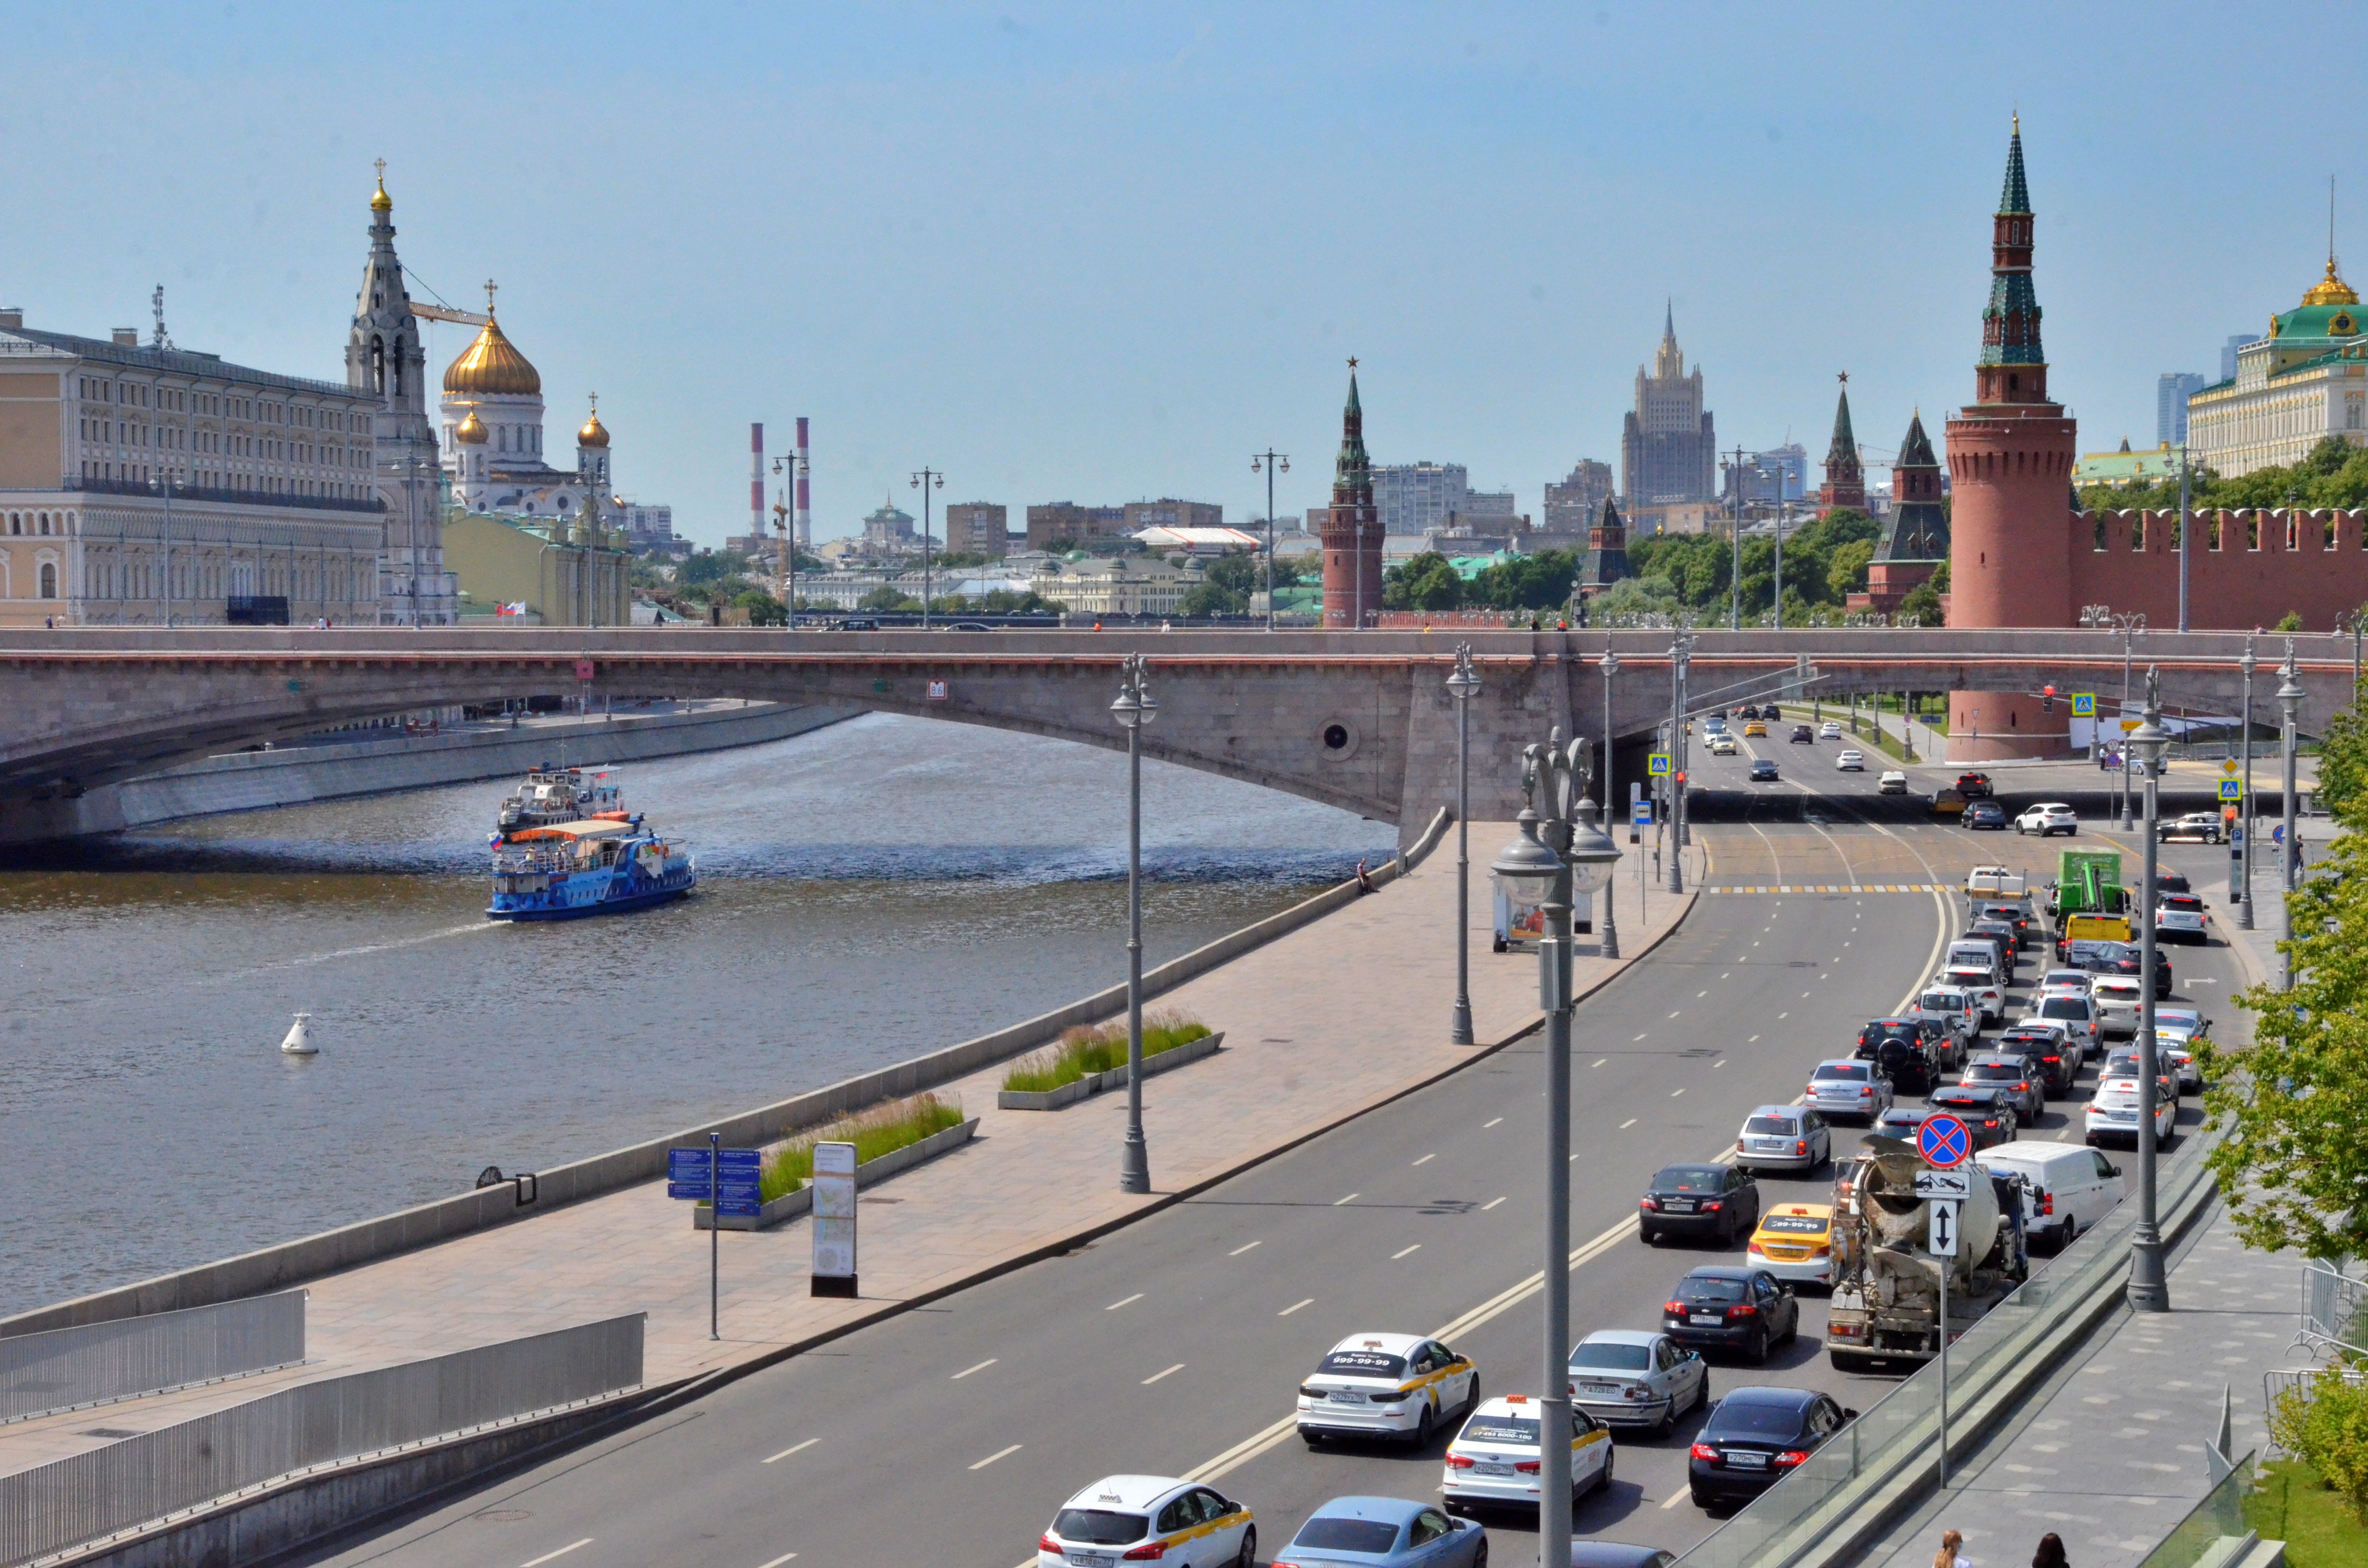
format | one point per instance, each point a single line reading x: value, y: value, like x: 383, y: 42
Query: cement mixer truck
x: 1885, y: 1312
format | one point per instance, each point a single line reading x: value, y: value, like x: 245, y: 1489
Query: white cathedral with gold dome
x: 493, y: 451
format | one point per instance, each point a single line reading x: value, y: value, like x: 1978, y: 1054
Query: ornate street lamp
x: 1135, y: 708
x: 1551, y: 860
x: 1270, y: 463
x: 2242, y: 863
x: 2290, y: 696
x: 1462, y: 686
x: 2149, y: 1287
x: 1610, y: 666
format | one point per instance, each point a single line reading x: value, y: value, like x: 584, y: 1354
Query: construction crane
x: 445, y: 312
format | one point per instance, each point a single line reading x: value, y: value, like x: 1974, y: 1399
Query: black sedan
x: 2125, y: 958
x: 1718, y: 1201
x: 1755, y: 1437
x: 1804, y: 736
x: 1987, y: 1112
x: 1986, y: 816
x: 1763, y: 771
x: 1906, y: 1053
x: 1725, y: 1306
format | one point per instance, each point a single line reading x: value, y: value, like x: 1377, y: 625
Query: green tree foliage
x: 1428, y: 582
x: 886, y: 597
x: 1923, y: 602
x: 1527, y: 582
x: 2294, y: 1169
x: 2290, y: 621
x: 703, y: 566
x: 2335, y: 473
x: 1003, y: 601
x: 1846, y: 568
x: 763, y: 608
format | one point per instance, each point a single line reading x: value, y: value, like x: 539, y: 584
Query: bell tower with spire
x: 385, y: 356
x: 1352, y: 528
x: 2010, y: 454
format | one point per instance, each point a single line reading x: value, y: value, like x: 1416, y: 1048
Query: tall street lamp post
x: 1273, y: 463
x: 1462, y: 686
x: 1677, y: 765
x: 2101, y: 617
x: 2240, y: 865
x: 2348, y: 621
x: 1570, y: 857
x: 1134, y: 708
x: 2149, y: 1287
x: 2290, y: 696
x: 1610, y: 666
x: 924, y: 482
x: 2186, y: 527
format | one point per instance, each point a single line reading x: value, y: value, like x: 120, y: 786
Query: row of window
x: 226, y: 479
x: 142, y: 394
x: 21, y: 524
x: 117, y: 432
x: 204, y: 579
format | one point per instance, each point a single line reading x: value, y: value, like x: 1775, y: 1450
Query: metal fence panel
x: 65, y: 1367
x: 2331, y: 1303
x: 112, y: 1489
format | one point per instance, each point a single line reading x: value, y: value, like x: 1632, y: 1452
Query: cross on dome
x: 490, y: 287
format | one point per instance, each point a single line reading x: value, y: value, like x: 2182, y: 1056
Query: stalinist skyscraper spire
x: 385, y: 354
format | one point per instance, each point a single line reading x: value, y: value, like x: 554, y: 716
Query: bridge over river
x: 1357, y: 719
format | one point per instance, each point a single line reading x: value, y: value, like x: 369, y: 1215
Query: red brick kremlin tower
x: 1352, y: 528
x: 1845, y: 483
x: 2011, y: 455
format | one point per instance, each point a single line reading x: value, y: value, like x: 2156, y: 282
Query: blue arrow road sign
x: 1944, y: 1141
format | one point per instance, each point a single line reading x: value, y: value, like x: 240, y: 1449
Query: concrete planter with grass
x: 1093, y: 1084
x: 790, y: 1205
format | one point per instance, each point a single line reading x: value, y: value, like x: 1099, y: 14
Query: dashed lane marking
x: 1426, y: 1159
x: 998, y: 1454
x: 1115, y: 1305
x: 982, y: 1367
x: 1157, y: 1376
x: 1350, y: 1198
x: 537, y: 1561
x: 1495, y: 1120
x: 1627, y: 1124
x: 1243, y: 1248
x: 1405, y: 1252
x: 795, y: 1448
x: 1294, y: 1307
x: 776, y: 1562
x: 1491, y: 1204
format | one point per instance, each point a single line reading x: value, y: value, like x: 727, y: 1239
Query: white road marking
x: 1115, y: 1305
x: 1350, y: 1198
x: 1598, y: 1062
x: 1426, y: 1159
x: 1728, y: 975
x: 999, y: 1453
x: 561, y: 1553
x: 1720, y: 1062
x: 1627, y: 1124
x: 1495, y: 1120
x: 1782, y: 1017
x: 982, y: 1367
x: 795, y: 1448
x: 1697, y: 997
x: 1157, y: 1376
x: 1243, y: 1248
x: 1641, y: 1037
x: 1491, y: 1204
x: 776, y: 1562
x: 1405, y: 1252
x: 1675, y: 1498
x: 1753, y: 1039
x: 1675, y: 1092
x: 1674, y: 1015
x: 1294, y: 1307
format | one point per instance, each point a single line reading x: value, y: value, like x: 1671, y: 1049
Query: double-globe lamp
x: 1544, y: 867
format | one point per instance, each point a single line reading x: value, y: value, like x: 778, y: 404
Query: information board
x: 834, y: 1218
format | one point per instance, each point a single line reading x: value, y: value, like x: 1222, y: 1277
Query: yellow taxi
x: 1754, y: 727
x: 1794, y: 1242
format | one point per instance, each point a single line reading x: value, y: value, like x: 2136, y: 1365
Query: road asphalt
x: 951, y: 1434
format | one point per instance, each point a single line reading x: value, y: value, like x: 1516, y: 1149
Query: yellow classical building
x: 539, y: 572
x: 2304, y: 382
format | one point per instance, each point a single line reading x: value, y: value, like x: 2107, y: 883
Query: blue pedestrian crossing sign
x: 1657, y: 765
x: 2232, y: 788
x: 1944, y: 1141
x: 2084, y: 705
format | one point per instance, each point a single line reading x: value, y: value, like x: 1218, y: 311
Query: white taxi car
x: 1135, y: 1518
x: 1495, y: 1458
x: 1794, y: 1242
x: 1385, y: 1385
x: 1893, y: 782
x: 1850, y: 762
x: 2114, y: 1113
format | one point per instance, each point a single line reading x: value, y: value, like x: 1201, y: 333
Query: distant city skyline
x: 928, y: 229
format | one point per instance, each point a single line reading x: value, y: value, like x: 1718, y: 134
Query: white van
x: 2072, y: 1187
x: 2117, y: 1004
x: 1980, y: 983
x: 2079, y: 1016
x: 1975, y: 953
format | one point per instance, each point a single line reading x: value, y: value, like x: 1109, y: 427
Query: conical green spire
x: 1351, y: 468
x: 2016, y: 197
x: 1844, y: 445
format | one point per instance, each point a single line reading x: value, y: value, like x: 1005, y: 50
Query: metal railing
x: 2333, y: 1301
x: 67, y: 1369
x: 140, y: 1480
x: 1803, y: 1516
x: 2219, y: 1517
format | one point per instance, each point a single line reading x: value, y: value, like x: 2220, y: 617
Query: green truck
x: 2087, y: 900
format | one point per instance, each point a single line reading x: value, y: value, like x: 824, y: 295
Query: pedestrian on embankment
x: 1950, y: 1555
x: 2050, y: 1553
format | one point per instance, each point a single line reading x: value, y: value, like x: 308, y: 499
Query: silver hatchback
x: 1783, y: 1138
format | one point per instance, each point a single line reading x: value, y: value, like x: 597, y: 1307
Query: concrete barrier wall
x: 240, y: 781
x: 277, y: 1267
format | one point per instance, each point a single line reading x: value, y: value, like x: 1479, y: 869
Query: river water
x: 869, y: 892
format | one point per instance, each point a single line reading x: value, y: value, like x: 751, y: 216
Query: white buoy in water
x: 299, y: 1038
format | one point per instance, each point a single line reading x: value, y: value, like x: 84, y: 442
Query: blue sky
x: 1104, y: 252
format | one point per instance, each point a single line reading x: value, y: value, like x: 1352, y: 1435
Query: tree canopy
x: 2334, y: 474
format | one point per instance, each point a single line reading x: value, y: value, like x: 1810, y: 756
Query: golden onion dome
x: 471, y: 430
x: 381, y: 202
x: 491, y: 365
x: 594, y: 433
x: 2331, y: 289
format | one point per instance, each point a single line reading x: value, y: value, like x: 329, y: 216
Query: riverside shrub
x: 2323, y: 1423
x: 1087, y: 1050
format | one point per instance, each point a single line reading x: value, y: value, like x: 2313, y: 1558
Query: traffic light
x: 1682, y: 777
x: 2048, y: 699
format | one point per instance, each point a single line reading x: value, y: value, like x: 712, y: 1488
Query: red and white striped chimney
x: 803, y: 505
x: 757, y: 481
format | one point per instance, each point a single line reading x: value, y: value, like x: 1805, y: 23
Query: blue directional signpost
x: 1946, y: 1143
x: 727, y: 1180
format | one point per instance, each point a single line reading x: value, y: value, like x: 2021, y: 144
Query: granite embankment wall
x: 276, y: 1267
x: 371, y: 765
